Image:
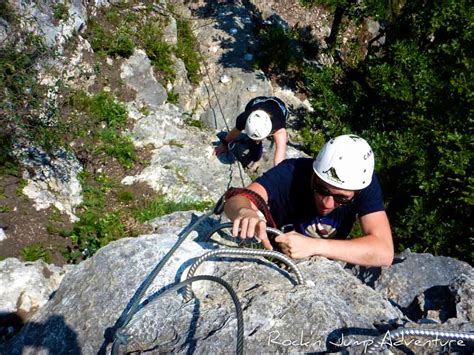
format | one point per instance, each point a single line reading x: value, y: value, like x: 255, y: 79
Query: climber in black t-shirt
x: 263, y: 116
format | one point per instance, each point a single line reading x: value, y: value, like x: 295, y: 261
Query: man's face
x: 327, y: 198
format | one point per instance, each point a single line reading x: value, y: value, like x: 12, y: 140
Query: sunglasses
x: 323, y: 191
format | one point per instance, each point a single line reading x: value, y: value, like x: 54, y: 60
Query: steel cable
x: 188, y: 293
x: 122, y: 338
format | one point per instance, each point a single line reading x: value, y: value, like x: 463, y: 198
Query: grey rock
x: 138, y: 74
x: 3, y: 236
x: 183, y: 166
x: 462, y: 289
x: 182, y: 86
x: 38, y: 18
x: 424, y: 286
x: 27, y: 286
x: 170, y: 33
x: 278, y: 315
x: 52, y: 178
x: 229, y: 99
x: 4, y: 31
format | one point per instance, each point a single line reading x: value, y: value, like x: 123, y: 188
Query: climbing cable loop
x: 122, y: 338
x: 188, y: 293
x: 127, y: 316
x: 382, y: 340
x: 120, y: 335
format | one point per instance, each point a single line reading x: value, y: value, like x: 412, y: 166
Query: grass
x: 102, y: 222
x: 161, y: 206
x: 21, y: 185
x: 5, y: 209
x: 158, y: 50
x: 102, y: 108
x: 193, y: 122
x: 173, y: 97
x: 35, y: 252
x: 60, y: 11
x: 8, y: 165
x: 187, y: 50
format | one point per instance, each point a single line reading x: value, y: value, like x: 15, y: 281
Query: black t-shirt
x: 272, y: 105
x: 291, y: 201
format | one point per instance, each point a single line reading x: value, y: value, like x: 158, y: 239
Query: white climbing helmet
x: 258, y: 125
x: 345, y: 162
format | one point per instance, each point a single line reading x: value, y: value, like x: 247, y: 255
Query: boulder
x: 52, y: 178
x: 279, y: 315
x: 440, y: 289
x: 137, y: 73
x: 25, y: 287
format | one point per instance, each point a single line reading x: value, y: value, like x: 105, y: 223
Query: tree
x: 412, y: 100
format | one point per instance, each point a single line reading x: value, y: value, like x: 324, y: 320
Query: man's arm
x: 375, y: 248
x: 281, y: 139
x: 243, y: 214
x: 227, y: 139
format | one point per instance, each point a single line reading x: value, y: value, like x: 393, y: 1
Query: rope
x: 122, y: 339
x: 380, y: 341
x: 188, y: 293
x: 125, y: 318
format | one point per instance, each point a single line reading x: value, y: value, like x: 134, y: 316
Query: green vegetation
x: 193, y: 122
x: 161, y: 207
x: 8, y: 164
x: 158, y: 50
x: 23, y: 103
x: 35, y: 252
x: 8, y: 14
x: 412, y: 100
x: 118, y: 30
x: 108, y: 42
x: 103, y: 221
x: 21, y: 185
x: 281, y: 57
x: 102, y: 109
x: 187, y: 50
x: 60, y: 11
x: 173, y: 97
x: 5, y: 209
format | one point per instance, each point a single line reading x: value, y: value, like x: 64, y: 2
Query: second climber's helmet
x: 258, y: 125
x: 345, y: 162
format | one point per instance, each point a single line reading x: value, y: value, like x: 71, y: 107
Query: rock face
x: 138, y: 74
x: 183, y: 166
x: 52, y: 179
x: 93, y: 295
x: 440, y: 289
x: 25, y: 288
x: 333, y: 311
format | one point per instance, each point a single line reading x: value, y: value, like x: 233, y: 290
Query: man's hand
x: 251, y: 226
x: 295, y: 245
x: 221, y: 148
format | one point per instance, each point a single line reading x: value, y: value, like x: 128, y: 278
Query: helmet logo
x: 332, y: 175
x: 367, y: 155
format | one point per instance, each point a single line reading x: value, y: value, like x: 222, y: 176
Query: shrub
x: 412, y: 101
x: 35, y: 252
x: 187, y: 49
x: 157, y: 49
x: 60, y: 11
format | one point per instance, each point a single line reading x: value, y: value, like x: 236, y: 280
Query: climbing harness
x: 120, y: 336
